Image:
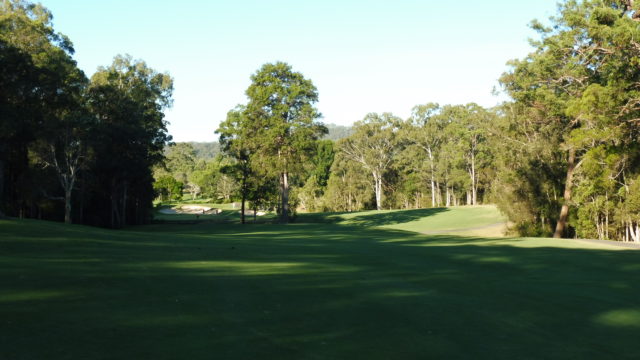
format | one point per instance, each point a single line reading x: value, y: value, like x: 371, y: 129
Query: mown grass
x: 458, y: 220
x: 310, y: 291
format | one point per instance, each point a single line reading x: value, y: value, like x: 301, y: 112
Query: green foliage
x: 180, y: 160
x: 348, y: 187
x: 321, y: 161
x: 96, y: 140
x: 374, y: 145
x: 575, y: 94
x: 128, y: 98
x: 40, y: 96
x: 168, y: 188
x: 281, y: 121
x: 562, y: 154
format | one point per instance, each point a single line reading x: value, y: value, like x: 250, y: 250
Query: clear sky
x: 362, y: 55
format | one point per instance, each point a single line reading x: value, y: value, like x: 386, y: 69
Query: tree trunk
x: 243, y: 200
x: 448, y: 202
x: 123, y: 218
x: 606, y: 225
x: 2, y: 204
x: 378, y: 189
x: 626, y: 233
x: 474, y: 187
x: 67, y: 205
x: 635, y: 233
x: 564, y: 212
x: 115, y: 218
x: 433, y: 192
x: 433, y: 181
x: 284, y: 217
x: 80, y: 218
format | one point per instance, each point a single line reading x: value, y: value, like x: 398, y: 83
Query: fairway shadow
x: 368, y: 218
x: 313, y: 292
x: 393, y: 217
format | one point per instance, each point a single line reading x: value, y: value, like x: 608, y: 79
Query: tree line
x: 440, y: 156
x: 560, y: 158
x: 201, y: 170
x: 73, y: 148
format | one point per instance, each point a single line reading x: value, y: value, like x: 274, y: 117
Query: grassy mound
x: 483, y: 220
x: 310, y: 291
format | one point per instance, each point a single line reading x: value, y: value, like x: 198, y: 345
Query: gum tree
x: 374, y: 145
x: 284, y: 123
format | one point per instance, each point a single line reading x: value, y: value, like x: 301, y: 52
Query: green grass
x: 311, y: 291
x: 453, y: 220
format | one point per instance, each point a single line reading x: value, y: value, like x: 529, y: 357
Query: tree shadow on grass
x: 311, y: 292
x: 393, y: 217
x: 370, y: 218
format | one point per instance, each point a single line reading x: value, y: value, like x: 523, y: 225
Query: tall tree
x: 424, y: 132
x: 180, y: 160
x: 577, y: 88
x: 283, y: 118
x: 374, y: 145
x: 128, y: 98
x: 66, y: 152
x: 237, y: 142
x: 348, y: 187
x: 39, y: 84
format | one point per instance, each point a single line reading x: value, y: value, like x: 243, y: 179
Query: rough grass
x: 310, y: 291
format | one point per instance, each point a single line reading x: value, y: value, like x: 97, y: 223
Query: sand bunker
x: 250, y: 213
x: 190, y: 209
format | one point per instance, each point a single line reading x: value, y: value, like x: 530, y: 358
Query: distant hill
x: 209, y: 150
x: 337, y: 132
x: 206, y: 150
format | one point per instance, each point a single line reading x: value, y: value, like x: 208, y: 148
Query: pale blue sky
x: 363, y: 56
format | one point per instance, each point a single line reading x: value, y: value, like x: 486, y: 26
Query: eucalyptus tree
x: 66, y: 151
x: 374, y: 144
x: 180, y: 160
x: 39, y: 84
x: 424, y: 132
x: 468, y: 126
x: 578, y: 88
x: 128, y: 99
x: 284, y: 122
x: 348, y: 187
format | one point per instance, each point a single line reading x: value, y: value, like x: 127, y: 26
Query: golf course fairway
x: 373, y: 285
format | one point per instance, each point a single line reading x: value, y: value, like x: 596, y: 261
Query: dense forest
x: 73, y: 148
x: 559, y: 158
